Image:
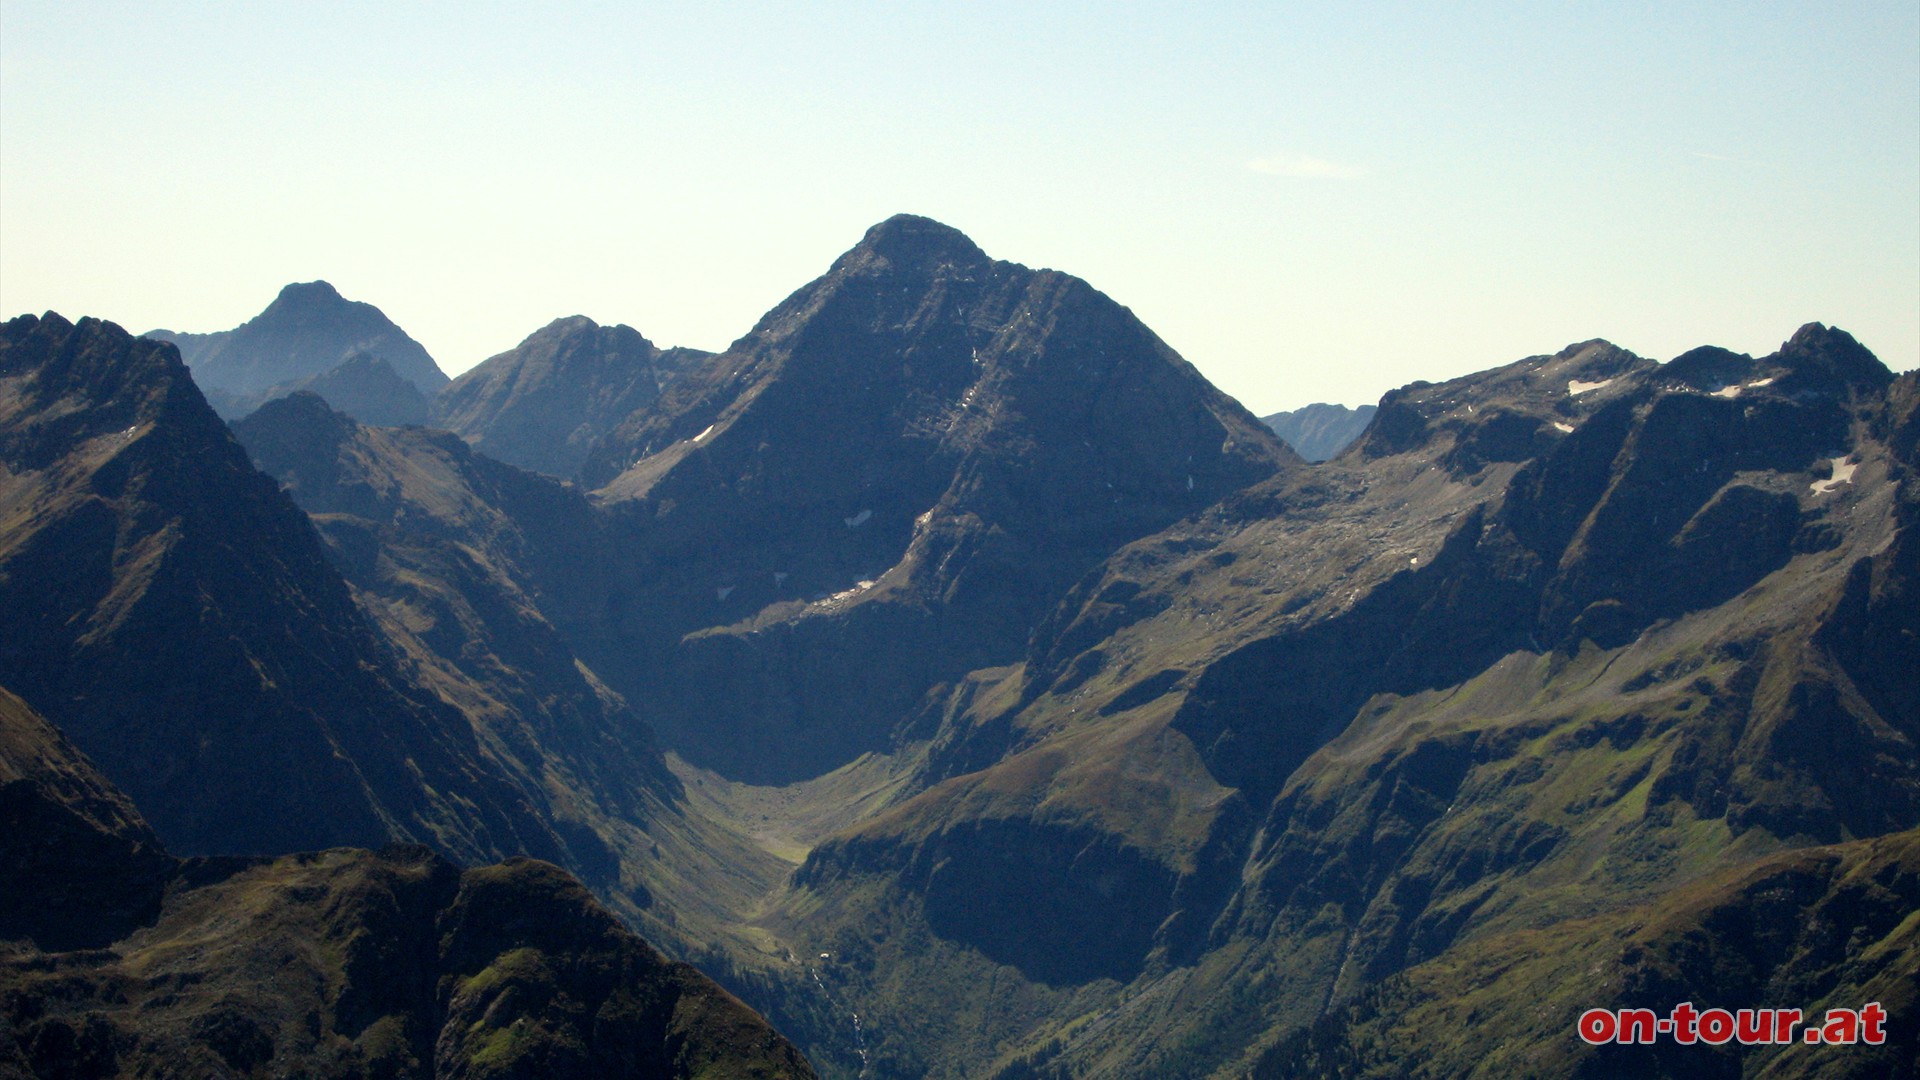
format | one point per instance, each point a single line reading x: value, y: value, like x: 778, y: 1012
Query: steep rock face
x: 1551, y: 640
x: 307, y: 331
x: 543, y: 404
x: 1320, y: 431
x: 177, y: 617
x: 125, y: 961
x: 882, y: 487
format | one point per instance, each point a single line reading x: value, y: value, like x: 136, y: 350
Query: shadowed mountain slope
x: 121, y: 961
x: 542, y: 404
x: 882, y: 487
x: 79, y: 864
x: 457, y: 560
x: 368, y: 389
x: 307, y: 332
x: 175, y: 614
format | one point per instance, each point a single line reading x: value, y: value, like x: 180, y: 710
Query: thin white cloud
x: 1311, y: 168
x: 1729, y: 158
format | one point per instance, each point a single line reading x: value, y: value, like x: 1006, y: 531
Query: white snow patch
x: 1768, y: 381
x: 704, y: 434
x: 858, y: 519
x: 724, y: 591
x: 847, y: 594
x: 1575, y: 387
x: 1727, y: 392
x: 1842, y: 474
x: 1567, y: 428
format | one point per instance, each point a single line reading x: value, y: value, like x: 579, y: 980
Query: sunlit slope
x: 1551, y: 641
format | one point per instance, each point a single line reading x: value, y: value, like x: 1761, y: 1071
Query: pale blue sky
x: 1308, y: 201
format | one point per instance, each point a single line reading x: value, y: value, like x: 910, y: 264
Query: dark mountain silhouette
x: 306, y: 333
x: 542, y: 404
x: 882, y: 487
x: 126, y: 961
x: 1320, y: 431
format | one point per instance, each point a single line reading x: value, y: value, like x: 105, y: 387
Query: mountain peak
x: 1829, y: 358
x: 309, y: 292
x: 541, y: 404
x: 912, y: 241
x: 306, y: 332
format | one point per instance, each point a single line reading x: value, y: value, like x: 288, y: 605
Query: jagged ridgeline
x: 978, y: 692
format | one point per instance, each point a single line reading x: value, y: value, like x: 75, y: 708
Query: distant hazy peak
x: 305, y: 333
x: 574, y: 325
x: 1321, y: 430
x: 307, y: 292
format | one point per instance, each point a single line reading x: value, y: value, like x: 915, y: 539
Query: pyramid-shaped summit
x: 943, y: 440
x: 306, y: 332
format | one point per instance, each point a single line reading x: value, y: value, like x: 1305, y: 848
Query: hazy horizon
x: 1312, y: 205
